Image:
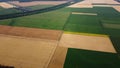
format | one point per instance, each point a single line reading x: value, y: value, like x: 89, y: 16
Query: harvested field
x: 117, y: 8
x: 6, y: 5
x: 26, y: 52
x: 81, y: 6
x: 87, y: 42
x: 33, y: 3
x: 58, y: 58
x: 104, y: 2
x: 99, y: 1
x: 31, y: 32
x: 91, y: 3
x: 84, y: 13
x: 112, y: 2
x: 5, y: 29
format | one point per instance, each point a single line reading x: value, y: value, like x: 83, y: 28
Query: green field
x: 84, y: 24
x: 8, y: 11
x: 49, y: 20
x: 63, y: 19
x: 77, y: 58
x: 101, y: 11
x: 90, y: 24
x: 116, y: 41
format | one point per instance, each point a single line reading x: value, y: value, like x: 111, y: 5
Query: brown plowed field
x: 4, y: 29
x: 26, y: 52
x: 31, y: 32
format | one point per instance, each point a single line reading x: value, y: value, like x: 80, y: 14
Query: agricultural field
x: 92, y: 59
x: 71, y: 37
x: 26, y: 52
x: 90, y: 23
x: 39, y: 7
x: 49, y: 20
x: 83, y: 24
x: 8, y: 11
x: 35, y: 3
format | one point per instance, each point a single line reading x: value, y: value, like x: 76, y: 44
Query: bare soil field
x: 104, y: 1
x: 58, y: 58
x: 98, y: 1
x: 26, y: 52
x: 87, y: 42
x: 6, y: 5
x: 31, y: 32
x: 77, y: 5
x: 5, y: 29
x: 33, y: 3
x: 88, y: 3
x: 82, y: 4
x: 112, y: 2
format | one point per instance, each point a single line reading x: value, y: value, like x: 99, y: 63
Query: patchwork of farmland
x: 71, y: 37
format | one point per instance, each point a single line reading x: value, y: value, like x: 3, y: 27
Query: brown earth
x: 95, y: 43
x: 26, y: 52
x: 58, y: 58
x: 31, y: 32
x: 6, y: 5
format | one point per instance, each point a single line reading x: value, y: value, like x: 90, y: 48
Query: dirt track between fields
x: 58, y: 58
x: 95, y: 43
x: 31, y: 32
x: 33, y: 3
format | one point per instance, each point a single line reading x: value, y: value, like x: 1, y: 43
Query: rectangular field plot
x: 49, y: 20
x: 101, y: 11
x: 31, y: 32
x: 94, y: 43
x: 26, y: 52
x: 111, y: 26
x: 77, y: 58
x: 116, y: 42
x: 83, y: 23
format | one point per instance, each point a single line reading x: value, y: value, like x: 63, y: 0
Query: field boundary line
x: 87, y: 34
x: 81, y: 13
